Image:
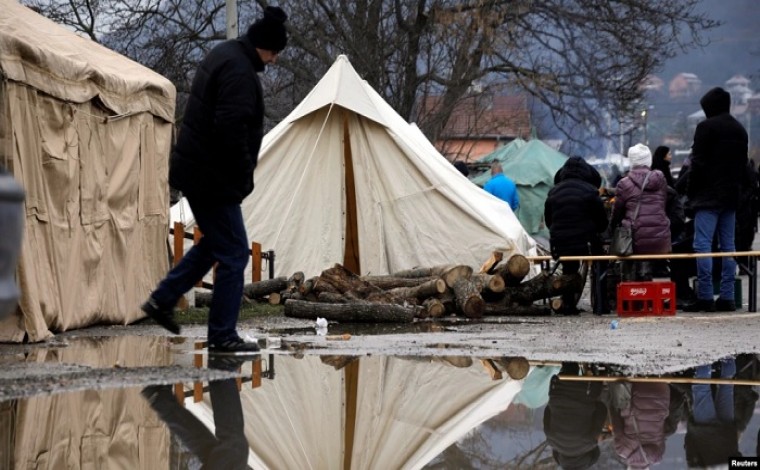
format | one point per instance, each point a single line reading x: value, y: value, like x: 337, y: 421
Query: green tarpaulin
x: 531, y: 165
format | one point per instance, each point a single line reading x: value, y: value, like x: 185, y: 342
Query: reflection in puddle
x: 383, y: 412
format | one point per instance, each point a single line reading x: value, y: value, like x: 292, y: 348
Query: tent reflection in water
x: 87, y: 133
x: 85, y: 429
x: 345, y: 179
x: 374, y: 413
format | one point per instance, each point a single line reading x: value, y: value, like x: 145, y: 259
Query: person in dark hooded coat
x: 212, y: 164
x: 718, y: 164
x: 573, y: 420
x: 576, y: 217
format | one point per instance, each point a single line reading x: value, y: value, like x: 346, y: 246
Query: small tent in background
x: 344, y: 179
x: 532, y: 167
x: 87, y: 133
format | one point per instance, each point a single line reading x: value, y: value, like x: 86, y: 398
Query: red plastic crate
x: 646, y: 298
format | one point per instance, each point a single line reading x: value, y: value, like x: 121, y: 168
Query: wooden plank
x: 255, y: 262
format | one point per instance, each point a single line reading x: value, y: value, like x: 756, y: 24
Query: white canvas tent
x: 378, y: 412
x: 87, y: 133
x: 345, y: 179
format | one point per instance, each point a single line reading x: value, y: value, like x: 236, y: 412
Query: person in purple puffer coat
x: 651, y: 226
x: 639, y: 429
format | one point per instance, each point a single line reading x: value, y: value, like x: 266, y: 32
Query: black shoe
x: 226, y: 362
x: 700, y: 305
x: 161, y: 316
x: 233, y: 345
x: 158, y: 395
x: 723, y: 305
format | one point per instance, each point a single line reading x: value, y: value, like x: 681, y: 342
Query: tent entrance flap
x: 351, y: 247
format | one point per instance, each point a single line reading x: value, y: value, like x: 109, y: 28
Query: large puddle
x: 148, y: 403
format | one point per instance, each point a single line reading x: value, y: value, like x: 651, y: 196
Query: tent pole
x: 351, y: 378
x: 351, y: 247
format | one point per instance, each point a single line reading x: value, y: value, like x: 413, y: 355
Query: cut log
x: 347, y: 282
x: 490, y: 264
x: 449, y: 302
x: 307, y: 286
x: 322, y: 285
x: 433, y: 308
x: 489, y: 282
x: 203, y: 298
x: 457, y: 361
x: 516, y: 367
x: 356, y: 313
x: 262, y: 289
x: 391, y: 282
x: 338, y: 362
x: 334, y: 298
x: 493, y: 371
x: 275, y: 298
x: 435, y: 286
x: 449, y: 272
x: 501, y: 309
x: 556, y: 304
x: 469, y: 301
x: 514, y: 270
x: 292, y: 295
x: 544, y: 286
x: 295, y: 281
x: 455, y: 273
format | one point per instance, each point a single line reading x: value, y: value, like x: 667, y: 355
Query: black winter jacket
x: 573, y: 210
x: 719, y: 155
x: 220, y: 136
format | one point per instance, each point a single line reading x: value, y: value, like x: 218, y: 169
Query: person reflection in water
x: 638, y: 422
x: 711, y: 433
x: 574, y: 419
x: 228, y: 449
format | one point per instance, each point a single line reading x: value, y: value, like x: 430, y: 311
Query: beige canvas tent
x: 87, y: 132
x: 375, y: 413
x: 344, y: 179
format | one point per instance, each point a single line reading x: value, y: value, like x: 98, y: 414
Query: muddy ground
x: 642, y: 346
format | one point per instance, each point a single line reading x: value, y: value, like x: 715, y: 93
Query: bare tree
x: 576, y: 57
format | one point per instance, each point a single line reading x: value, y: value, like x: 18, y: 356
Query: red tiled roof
x: 484, y: 116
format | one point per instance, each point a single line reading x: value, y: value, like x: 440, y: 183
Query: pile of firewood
x: 338, y: 294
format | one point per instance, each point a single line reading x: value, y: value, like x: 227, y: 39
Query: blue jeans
x: 707, y: 224
x: 709, y: 408
x: 224, y: 242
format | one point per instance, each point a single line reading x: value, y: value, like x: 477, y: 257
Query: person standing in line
x: 502, y: 187
x: 575, y: 215
x: 718, y: 163
x: 641, y: 202
x: 661, y: 159
x: 212, y: 164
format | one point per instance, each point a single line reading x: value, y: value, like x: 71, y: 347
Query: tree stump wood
x: 468, y: 299
x: 350, y: 313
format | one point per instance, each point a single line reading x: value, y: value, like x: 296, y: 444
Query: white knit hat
x: 640, y: 155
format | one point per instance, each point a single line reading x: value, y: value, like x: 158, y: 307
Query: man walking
x: 719, y: 160
x: 212, y: 164
x: 502, y: 187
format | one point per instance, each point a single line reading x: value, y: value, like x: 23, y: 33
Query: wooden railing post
x: 255, y: 262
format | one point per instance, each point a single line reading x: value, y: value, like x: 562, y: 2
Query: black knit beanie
x: 269, y: 32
